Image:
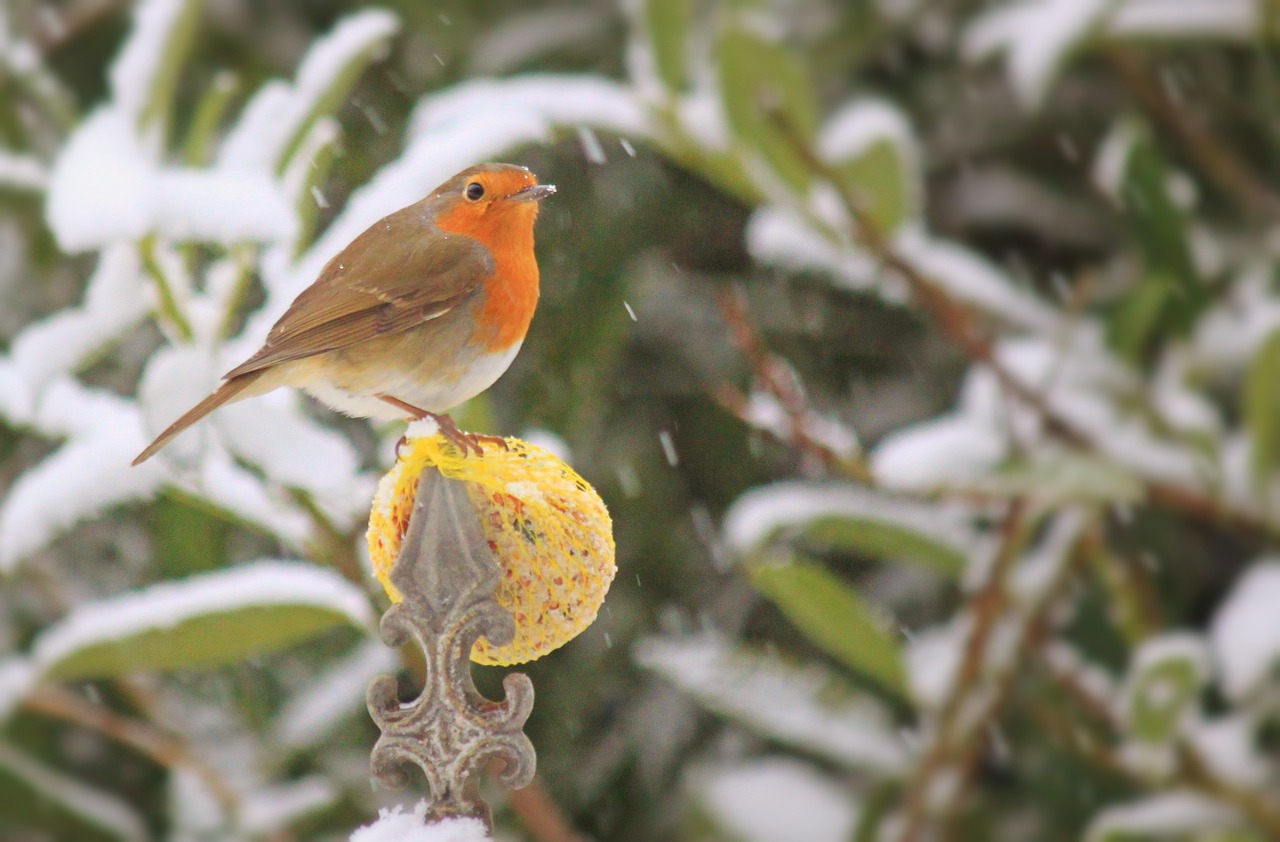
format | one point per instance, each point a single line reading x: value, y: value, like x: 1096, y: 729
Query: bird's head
x: 490, y: 202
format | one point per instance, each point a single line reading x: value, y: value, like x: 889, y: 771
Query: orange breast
x: 512, y: 289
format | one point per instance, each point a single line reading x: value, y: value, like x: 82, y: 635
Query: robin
x: 424, y: 310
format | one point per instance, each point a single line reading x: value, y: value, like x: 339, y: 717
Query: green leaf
x: 764, y: 85
x: 177, y: 44
x: 340, y: 80
x: 668, y: 22
x: 1133, y: 326
x: 834, y: 617
x: 1163, y: 687
x: 202, y: 622
x: 883, y: 539
x: 1063, y: 477
x: 1157, y: 223
x: 50, y: 805
x: 1262, y: 412
x: 208, y: 118
x: 879, y: 178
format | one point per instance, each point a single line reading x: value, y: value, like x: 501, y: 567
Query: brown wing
x: 420, y: 275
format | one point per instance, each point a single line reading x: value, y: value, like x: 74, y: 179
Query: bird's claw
x: 464, y: 440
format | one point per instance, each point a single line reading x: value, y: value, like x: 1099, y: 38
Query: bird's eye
x: 475, y: 191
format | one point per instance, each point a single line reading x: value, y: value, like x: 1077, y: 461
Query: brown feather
x: 228, y: 390
x: 419, y: 278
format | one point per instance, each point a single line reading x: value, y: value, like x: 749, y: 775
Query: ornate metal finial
x: 447, y: 575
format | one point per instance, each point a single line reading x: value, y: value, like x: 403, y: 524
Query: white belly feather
x: 439, y: 396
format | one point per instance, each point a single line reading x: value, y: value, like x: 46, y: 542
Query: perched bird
x: 422, y: 311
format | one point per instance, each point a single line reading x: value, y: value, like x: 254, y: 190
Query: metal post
x: 446, y: 573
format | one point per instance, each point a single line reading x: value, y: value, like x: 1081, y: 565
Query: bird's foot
x: 464, y: 440
x: 448, y: 428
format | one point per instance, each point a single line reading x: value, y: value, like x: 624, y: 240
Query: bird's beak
x: 533, y: 193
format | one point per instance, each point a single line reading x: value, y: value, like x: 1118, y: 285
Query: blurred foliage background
x: 923, y: 352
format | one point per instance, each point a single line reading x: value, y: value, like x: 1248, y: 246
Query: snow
x: 100, y: 189
x: 272, y: 432
x: 1036, y: 36
x: 229, y: 486
x: 1200, y: 19
x: 933, y: 661
x: 791, y: 703
x: 1040, y: 568
x: 1245, y: 632
x: 765, y: 412
x: 83, y: 477
x: 23, y: 172
x: 104, y: 189
x: 113, y: 816
x: 1176, y: 812
x: 761, y: 512
x: 974, y: 280
x: 1229, y: 747
x: 116, y: 299
x: 333, y: 698
x: 133, y: 73
x: 393, y: 825
x: 776, y: 800
x: 858, y: 125
x: 781, y: 237
x: 1160, y: 691
x: 17, y: 678
x: 950, y: 451
x: 168, y: 604
x: 259, y: 141
x: 271, y: 809
x: 549, y: 441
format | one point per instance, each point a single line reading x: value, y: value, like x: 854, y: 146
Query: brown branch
x: 1201, y: 145
x: 959, y: 324
x: 985, y: 607
x: 163, y: 748
x: 540, y: 815
x: 779, y: 379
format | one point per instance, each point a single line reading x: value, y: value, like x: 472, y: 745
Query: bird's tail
x: 224, y: 393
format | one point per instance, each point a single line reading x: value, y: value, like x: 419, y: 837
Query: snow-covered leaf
x: 833, y: 616
x: 1173, y: 815
x: 279, y: 116
x: 145, y: 73
x: 80, y: 480
x: 775, y: 800
x: 870, y: 143
x: 1055, y: 476
x: 1037, y: 37
x: 200, y: 622
x: 48, y: 804
x: 935, y: 536
x: 21, y: 172
x: 806, y: 706
x: 1162, y: 690
x: 333, y: 697
x: 1245, y: 632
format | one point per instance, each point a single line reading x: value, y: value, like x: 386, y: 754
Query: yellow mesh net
x: 547, y: 528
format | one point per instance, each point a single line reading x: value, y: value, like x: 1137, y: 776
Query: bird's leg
x: 448, y: 428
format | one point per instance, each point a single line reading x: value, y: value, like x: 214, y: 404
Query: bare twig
x: 778, y: 378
